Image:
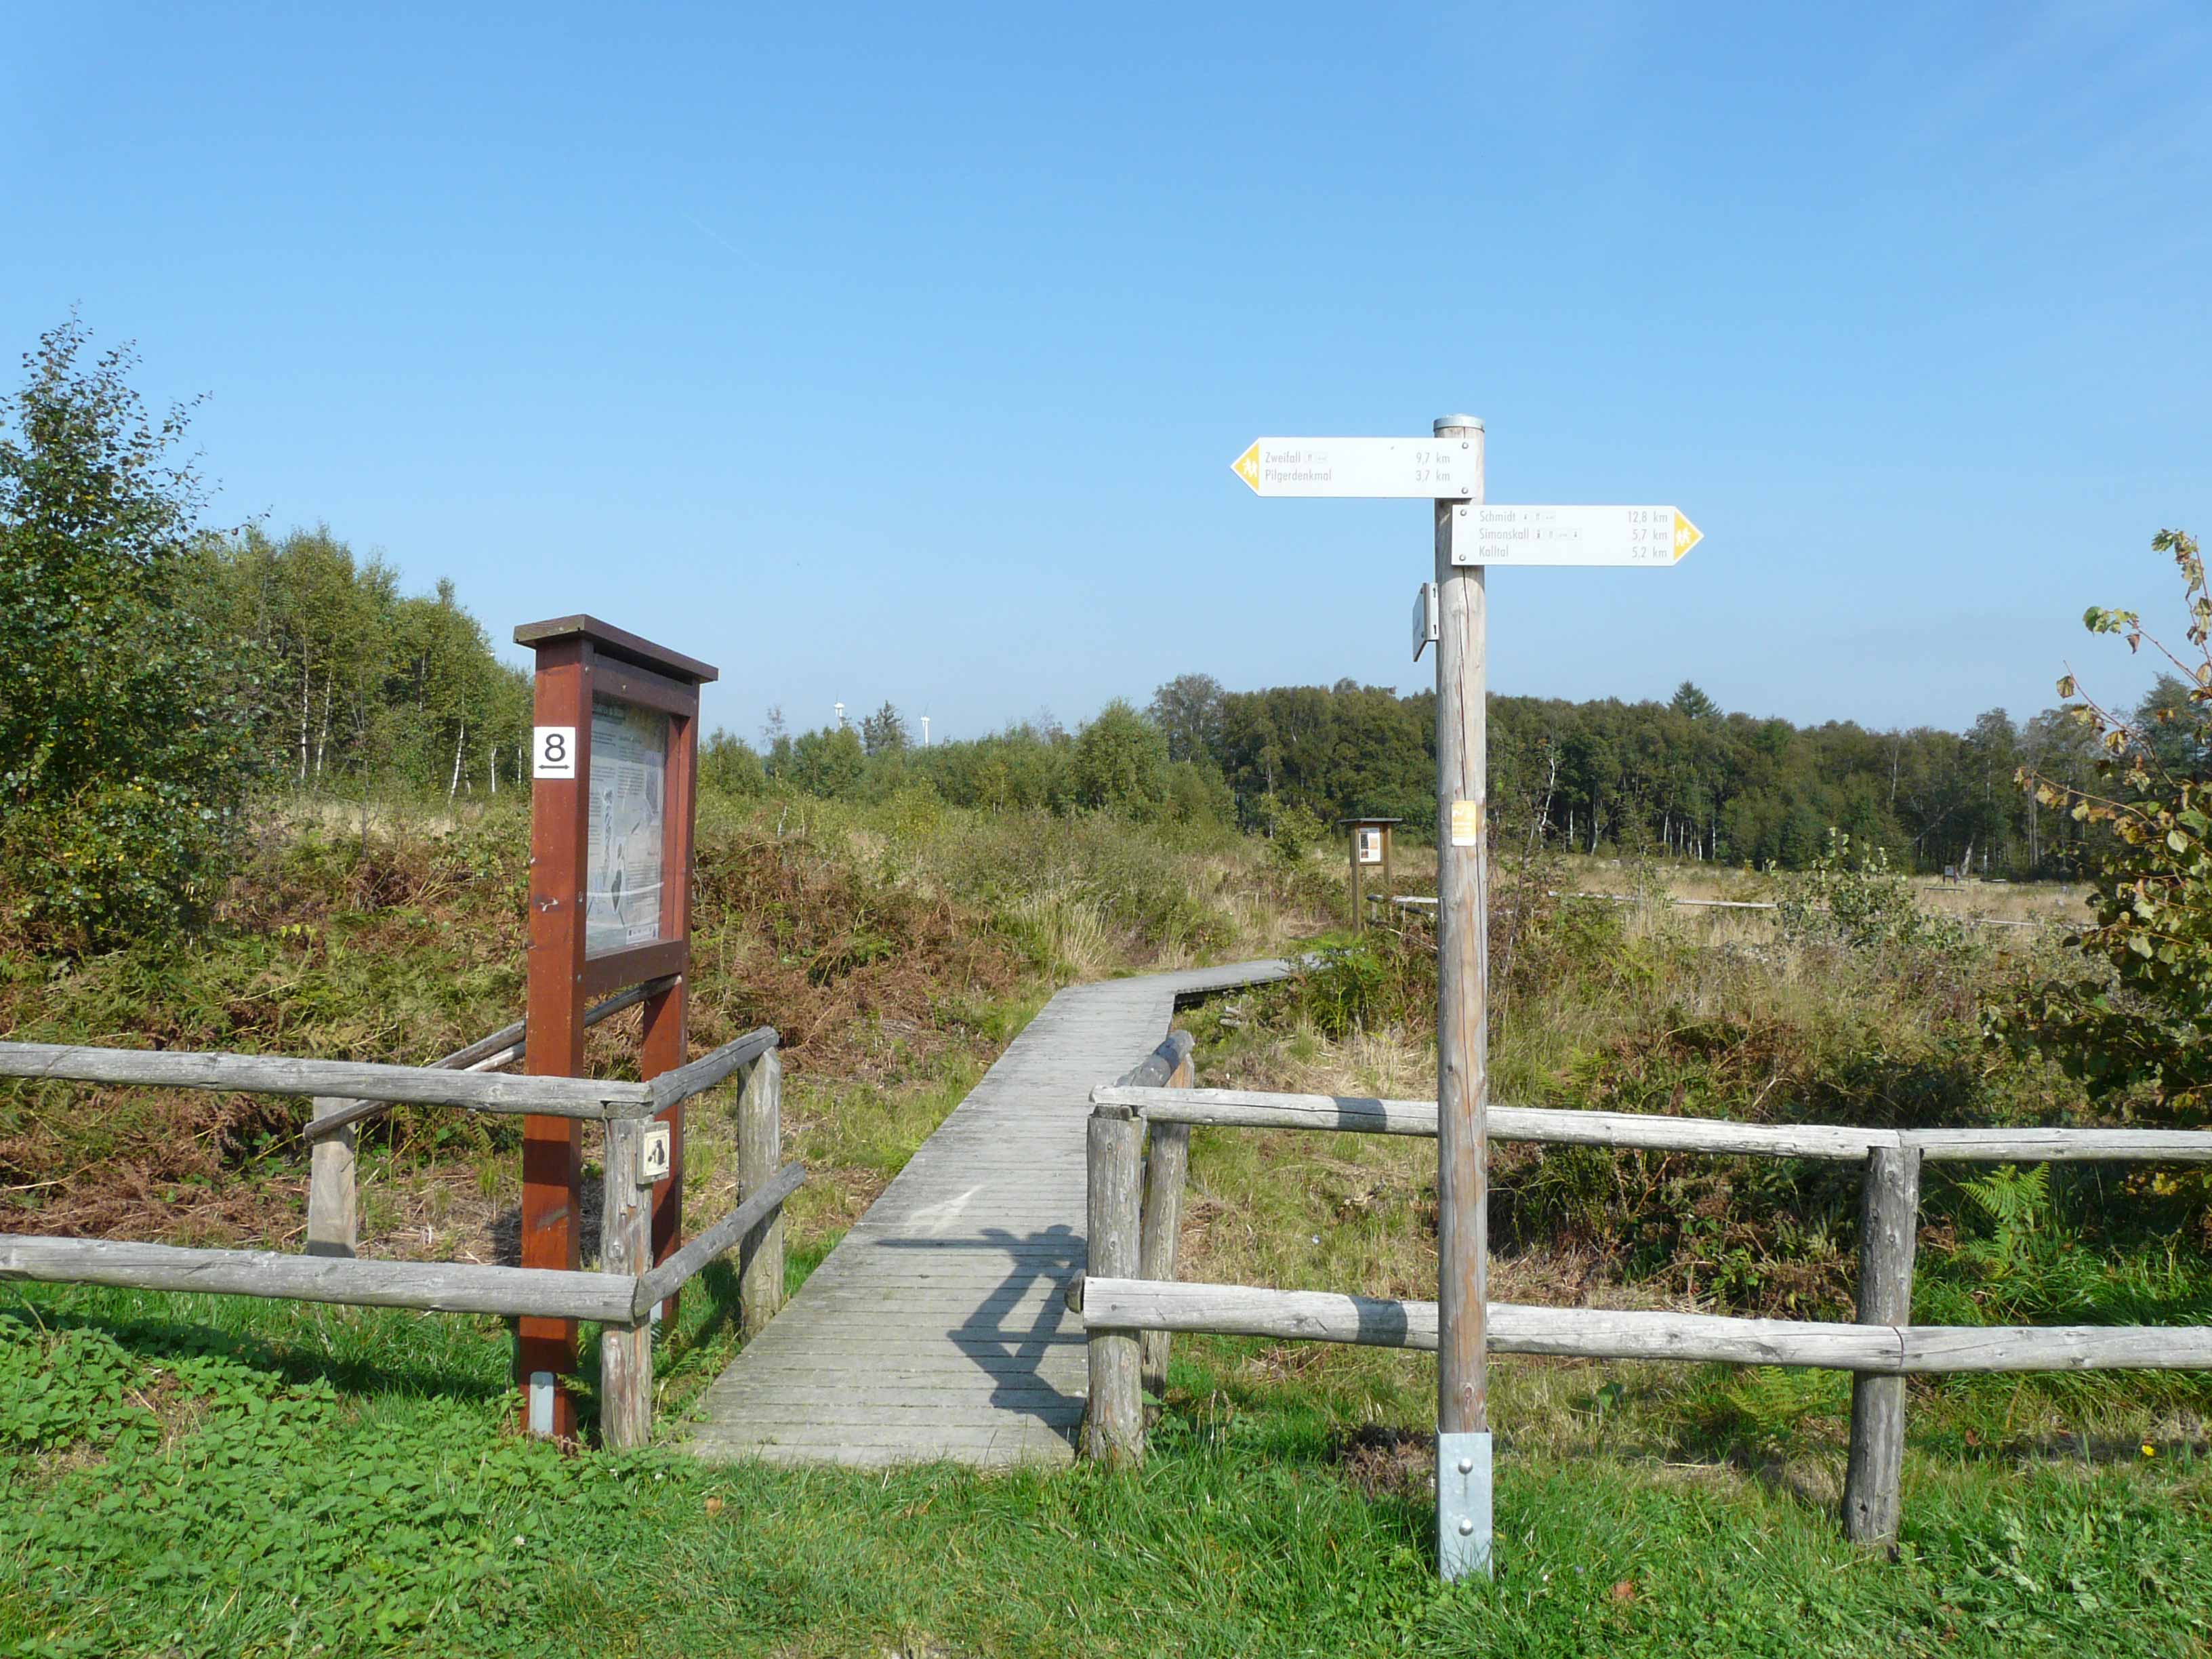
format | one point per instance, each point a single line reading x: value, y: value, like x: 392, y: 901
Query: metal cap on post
x: 1463, y: 1445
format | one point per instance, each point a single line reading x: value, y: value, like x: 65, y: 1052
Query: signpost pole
x: 1446, y: 470
x: 1463, y: 1446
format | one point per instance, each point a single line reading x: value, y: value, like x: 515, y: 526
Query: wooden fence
x: 622, y: 1296
x: 1881, y: 1349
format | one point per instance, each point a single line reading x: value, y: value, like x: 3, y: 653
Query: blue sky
x: 902, y: 352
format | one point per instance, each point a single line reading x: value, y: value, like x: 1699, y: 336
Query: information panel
x: 624, y: 844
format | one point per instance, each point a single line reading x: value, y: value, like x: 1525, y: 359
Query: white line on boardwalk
x: 936, y: 1329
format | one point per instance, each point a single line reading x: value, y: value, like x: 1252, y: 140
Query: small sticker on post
x: 652, y: 1154
x: 553, y: 753
x: 1466, y: 822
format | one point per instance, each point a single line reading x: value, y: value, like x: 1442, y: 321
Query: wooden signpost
x: 1447, y: 469
x: 614, y: 769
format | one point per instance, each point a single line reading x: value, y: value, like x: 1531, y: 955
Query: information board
x: 613, y: 768
x: 626, y: 837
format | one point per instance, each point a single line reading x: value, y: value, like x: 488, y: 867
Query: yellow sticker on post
x: 1466, y: 822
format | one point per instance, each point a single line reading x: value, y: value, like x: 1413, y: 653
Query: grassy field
x: 204, y: 1475
x: 199, y: 1476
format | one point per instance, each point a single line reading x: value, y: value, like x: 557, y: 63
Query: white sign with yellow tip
x: 1411, y: 469
x: 1503, y: 535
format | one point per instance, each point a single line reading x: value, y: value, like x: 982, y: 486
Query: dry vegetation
x: 897, y: 948
x: 1650, y: 1008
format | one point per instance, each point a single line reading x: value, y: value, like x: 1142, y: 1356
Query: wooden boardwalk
x: 935, y: 1330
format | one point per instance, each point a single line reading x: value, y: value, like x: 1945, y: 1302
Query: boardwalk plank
x: 936, y: 1329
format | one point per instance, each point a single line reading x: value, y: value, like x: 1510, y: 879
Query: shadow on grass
x: 717, y: 1283
x: 362, y: 1374
x: 2104, y: 1450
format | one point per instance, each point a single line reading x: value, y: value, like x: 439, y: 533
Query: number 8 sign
x: 553, y: 753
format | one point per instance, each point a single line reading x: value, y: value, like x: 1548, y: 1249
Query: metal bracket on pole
x: 1463, y: 1505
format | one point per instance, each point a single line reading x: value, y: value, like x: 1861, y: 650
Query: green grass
x: 207, y: 1476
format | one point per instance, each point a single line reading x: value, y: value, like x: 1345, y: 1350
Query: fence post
x: 1113, y: 1426
x: 626, y: 1247
x: 760, y: 1154
x: 333, y: 1197
x: 1889, y: 1229
x: 1167, y: 1165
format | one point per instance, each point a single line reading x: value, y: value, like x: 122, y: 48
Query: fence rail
x: 1611, y: 1333
x: 1880, y: 1349
x: 502, y: 1048
x: 1641, y: 1131
x: 435, y: 1286
x: 280, y: 1074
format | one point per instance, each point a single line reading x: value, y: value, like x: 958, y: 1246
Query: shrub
x: 1850, y: 897
x: 1292, y: 831
x: 1120, y: 762
x: 127, y: 740
x: 1387, y: 978
x: 730, y: 765
x: 2136, y: 1013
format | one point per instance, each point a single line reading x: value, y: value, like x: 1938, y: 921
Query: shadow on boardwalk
x: 1011, y: 1355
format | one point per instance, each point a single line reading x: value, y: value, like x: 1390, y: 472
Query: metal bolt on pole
x: 1463, y: 1446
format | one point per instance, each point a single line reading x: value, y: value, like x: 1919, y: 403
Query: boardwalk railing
x: 1881, y: 1349
x: 1133, y: 1214
x: 622, y: 1296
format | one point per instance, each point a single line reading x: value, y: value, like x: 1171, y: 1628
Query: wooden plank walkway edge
x: 936, y: 1330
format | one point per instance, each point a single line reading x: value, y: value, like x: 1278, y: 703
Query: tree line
x: 1680, y: 778
x: 160, y: 673
x: 361, y: 686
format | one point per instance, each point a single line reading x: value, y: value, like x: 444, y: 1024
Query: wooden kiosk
x: 1370, y: 849
x: 614, y: 770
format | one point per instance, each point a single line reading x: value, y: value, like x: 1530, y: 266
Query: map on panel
x: 623, y: 875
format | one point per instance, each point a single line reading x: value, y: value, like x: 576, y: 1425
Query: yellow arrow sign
x: 1686, y: 535
x: 1246, y: 467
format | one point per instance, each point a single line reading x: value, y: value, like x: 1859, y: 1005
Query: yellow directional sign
x: 1247, y: 467
x: 1686, y: 535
